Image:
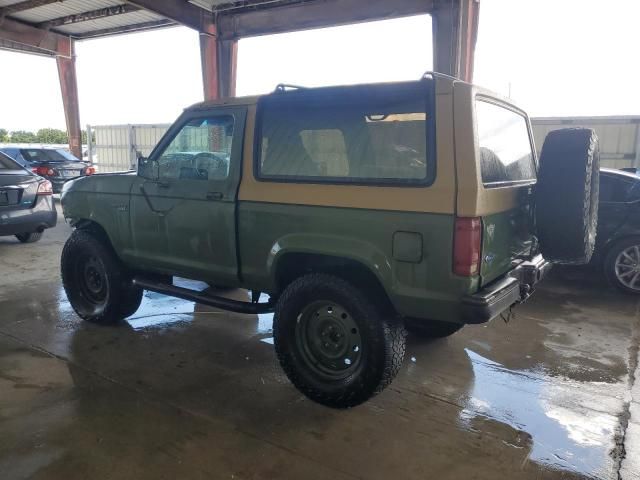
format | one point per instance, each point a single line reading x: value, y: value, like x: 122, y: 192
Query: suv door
x: 183, y: 222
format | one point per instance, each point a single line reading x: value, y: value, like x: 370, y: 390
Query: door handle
x: 214, y: 195
x: 162, y: 184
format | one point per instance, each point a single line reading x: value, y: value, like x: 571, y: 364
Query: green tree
x: 4, y: 135
x: 22, y: 136
x: 52, y: 135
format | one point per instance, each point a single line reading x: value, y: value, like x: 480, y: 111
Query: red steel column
x: 470, y: 15
x: 209, y: 62
x: 227, y: 67
x: 69, y: 90
x: 219, y: 59
x: 455, y: 30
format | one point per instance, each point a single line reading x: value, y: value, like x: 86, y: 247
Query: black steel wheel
x: 97, y: 284
x: 336, y: 345
x: 329, y: 340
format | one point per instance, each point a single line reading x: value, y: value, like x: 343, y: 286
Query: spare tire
x: 567, y: 195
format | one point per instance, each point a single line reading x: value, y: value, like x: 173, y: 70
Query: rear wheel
x: 335, y: 345
x: 29, y: 237
x: 97, y: 284
x: 431, y: 328
x: 567, y: 194
x: 622, y: 265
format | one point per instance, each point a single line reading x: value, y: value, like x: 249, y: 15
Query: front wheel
x: 622, y: 265
x: 335, y: 345
x: 97, y: 284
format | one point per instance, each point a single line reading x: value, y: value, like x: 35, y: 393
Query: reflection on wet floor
x: 547, y: 412
x: 193, y: 392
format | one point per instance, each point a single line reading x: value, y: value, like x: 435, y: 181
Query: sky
x: 553, y: 57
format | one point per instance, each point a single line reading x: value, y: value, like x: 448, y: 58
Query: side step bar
x: 199, y: 297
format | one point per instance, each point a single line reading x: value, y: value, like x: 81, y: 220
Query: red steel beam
x: 69, y: 90
x: 317, y: 14
x: 51, y: 42
x: 179, y: 11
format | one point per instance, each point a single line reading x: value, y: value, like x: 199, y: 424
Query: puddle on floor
x: 566, y: 430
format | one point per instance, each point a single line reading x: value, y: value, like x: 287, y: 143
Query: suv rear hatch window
x: 506, y: 153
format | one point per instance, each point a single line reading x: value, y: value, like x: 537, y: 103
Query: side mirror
x: 148, y: 169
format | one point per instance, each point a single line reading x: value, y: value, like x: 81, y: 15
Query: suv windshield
x: 506, y: 153
x: 43, y: 155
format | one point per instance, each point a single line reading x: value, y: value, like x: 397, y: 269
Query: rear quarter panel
x: 504, y: 210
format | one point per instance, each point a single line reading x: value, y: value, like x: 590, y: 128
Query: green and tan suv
x: 359, y: 210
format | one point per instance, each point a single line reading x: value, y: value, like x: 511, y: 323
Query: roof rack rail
x: 438, y: 74
x: 283, y: 87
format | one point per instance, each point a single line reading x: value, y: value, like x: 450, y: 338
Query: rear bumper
x: 500, y: 295
x: 42, y: 215
x: 57, y: 182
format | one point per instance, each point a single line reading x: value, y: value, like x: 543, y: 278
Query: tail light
x: 45, y: 188
x: 44, y: 171
x: 90, y: 170
x: 466, y: 246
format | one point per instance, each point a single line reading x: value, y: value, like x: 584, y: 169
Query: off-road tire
x: 431, y: 328
x: 383, y: 341
x: 29, y: 237
x: 609, y: 264
x: 118, y: 299
x: 567, y: 195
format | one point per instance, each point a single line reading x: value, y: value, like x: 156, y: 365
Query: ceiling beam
x: 137, y: 27
x: 316, y: 14
x: 21, y: 33
x: 180, y: 11
x: 26, y: 5
x: 86, y: 16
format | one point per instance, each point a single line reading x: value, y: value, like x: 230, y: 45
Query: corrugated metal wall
x: 619, y: 136
x: 116, y: 145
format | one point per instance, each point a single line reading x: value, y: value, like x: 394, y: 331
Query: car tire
x: 29, y: 237
x: 97, y: 284
x: 567, y: 195
x: 622, y: 265
x: 334, y: 343
x: 431, y: 328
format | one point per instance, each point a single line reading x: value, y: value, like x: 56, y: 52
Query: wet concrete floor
x: 182, y: 391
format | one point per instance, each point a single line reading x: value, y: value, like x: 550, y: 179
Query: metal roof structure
x: 51, y: 28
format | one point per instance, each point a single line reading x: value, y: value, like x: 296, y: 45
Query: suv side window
x: 372, y: 135
x: 506, y: 152
x: 200, y: 151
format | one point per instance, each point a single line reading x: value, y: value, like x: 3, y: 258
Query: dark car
x: 56, y: 165
x: 26, y: 203
x: 618, y: 238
